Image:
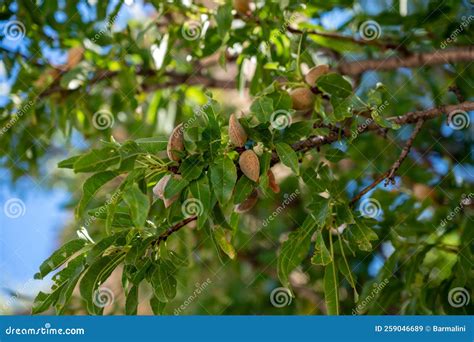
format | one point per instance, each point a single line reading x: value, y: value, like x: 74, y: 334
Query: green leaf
x: 97, y: 273
x: 138, y: 203
x: 157, y: 306
x: 320, y: 210
x: 131, y: 302
x: 295, y: 249
x: 362, y: 235
x: 90, y: 188
x: 331, y: 289
x: 243, y: 188
x: 201, y: 190
x: 97, y: 160
x: 343, y: 214
x: 68, y: 163
x: 288, y: 156
x: 262, y: 107
x: 59, y: 257
x: 223, y: 178
x: 310, y: 177
x: 225, y: 245
x: 175, y: 186
x: 163, y: 281
x: 224, y: 19
x: 335, y: 85
x: 191, y: 168
x: 334, y: 155
x: 321, y: 254
x: 153, y: 145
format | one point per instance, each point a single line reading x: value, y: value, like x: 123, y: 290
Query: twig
x: 461, y: 54
x: 163, y: 236
x: 404, y: 154
x: 389, y: 175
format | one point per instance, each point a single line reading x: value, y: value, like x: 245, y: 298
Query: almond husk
x: 237, y: 134
x: 248, y: 204
x: 242, y: 6
x: 175, y: 143
x: 159, y: 190
x: 250, y: 165
x: 316, y: 72
x: 302, y: 98
x: 272, y: 182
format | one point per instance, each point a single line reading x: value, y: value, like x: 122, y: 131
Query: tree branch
x: 461, y: 54
x: 164, y: 236
x: 404, y: 154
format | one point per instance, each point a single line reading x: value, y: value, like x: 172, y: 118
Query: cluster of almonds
x: 303, y: 97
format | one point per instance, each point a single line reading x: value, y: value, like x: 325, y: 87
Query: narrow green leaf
x: 157, y: 306
x: 331, y: 289
x: 295, y: 249
x: 223, y: 178
x: 59, y: 257
x: 97, y: 160
x: 362, y: 235
x: 90, y: 188
x: 131, y: 302
x: 321, y: 254
x: 224, y: 244
x: 163, y: 281
x: 288, y: 156
x: 175, y: 186
x: 335, y: 85
x: 138, y: 203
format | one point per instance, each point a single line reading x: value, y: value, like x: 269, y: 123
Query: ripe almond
x: 175, y: 143
x: 248, y: 203
x: 250, y: 165
x: 272, y: 182
x: 237, y: 134
x: 302, y: 98
x: 316, y: 72
x: 242, y: 6
x: 159, y: 190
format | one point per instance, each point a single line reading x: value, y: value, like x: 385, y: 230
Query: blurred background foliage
x: 145, y: 62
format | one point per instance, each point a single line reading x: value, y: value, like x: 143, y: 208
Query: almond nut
x: 159, y: 190
x: 175, y: 143
x: 250, y: 165
x: 248, y: 203
x: 272, y: 182
x: 316, y: 72
x: 302, y: 98
x: 242, y: 6
x: 237, y: 134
